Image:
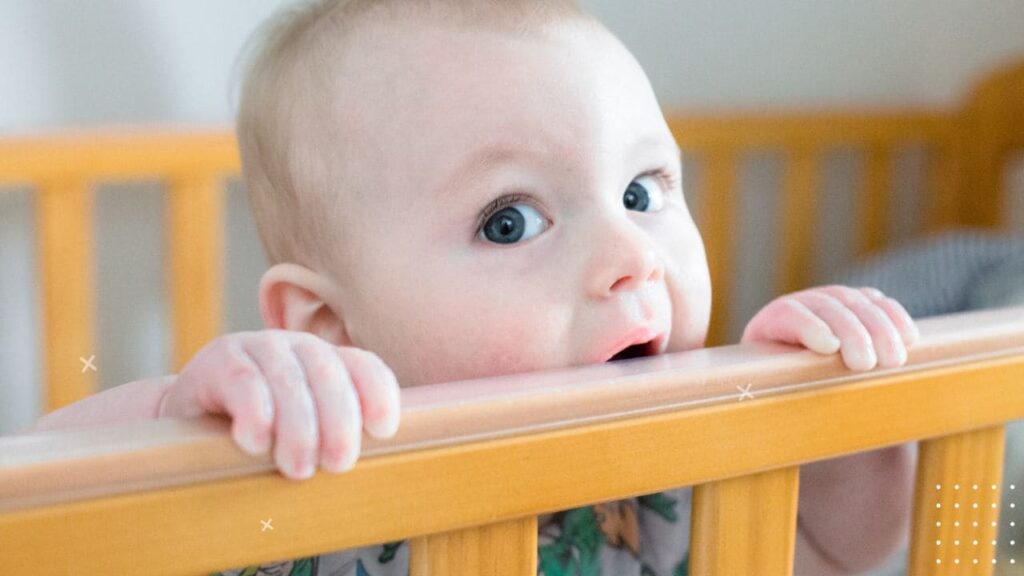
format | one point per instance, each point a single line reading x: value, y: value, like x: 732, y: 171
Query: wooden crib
x: 176, y: 497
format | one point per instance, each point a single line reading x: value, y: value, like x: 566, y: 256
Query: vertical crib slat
x: 65, y: 244
x: 718, y: 192
x: 948, y: 469
x: 943, y: 171
x: 874, y: 232
x: 195, y: 228
x: 745, y: 525
x: 796, y: 219
x: 502, y: 549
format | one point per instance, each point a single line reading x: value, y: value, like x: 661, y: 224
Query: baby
x: 456, y: 189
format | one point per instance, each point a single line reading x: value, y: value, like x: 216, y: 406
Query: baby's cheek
x: 690, y: 286
x: 512, y: 345
x: 477, y: 344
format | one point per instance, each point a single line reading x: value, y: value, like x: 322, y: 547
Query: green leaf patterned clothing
x: 644, y: 536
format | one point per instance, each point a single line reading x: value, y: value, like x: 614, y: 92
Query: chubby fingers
x: 224, y: 379
x: 295, y: 426
x: 867, y: 335
x: 378, y: 390
x: 352, y: 390
x: 864, y: 325
x: 788, y: 320
x: 337, y: 406
x: 897, y: 314
x: 323, y: 396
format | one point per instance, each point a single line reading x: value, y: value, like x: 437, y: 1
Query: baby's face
x: 513, y: 204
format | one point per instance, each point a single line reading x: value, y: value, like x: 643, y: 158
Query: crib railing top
x: 119, y: 154
x: 708, y: 383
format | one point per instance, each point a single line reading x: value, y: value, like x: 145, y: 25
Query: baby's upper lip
x: 638, y: 335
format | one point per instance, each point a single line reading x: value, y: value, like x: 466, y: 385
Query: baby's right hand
x: 312, y: 396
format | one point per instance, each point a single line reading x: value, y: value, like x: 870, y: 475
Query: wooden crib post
x: 718, y: 194
x: 195, y: 240
x: 797, y: 213
x: 944, y: 175
x: 65, y: 242
x: 955, y: 473
x: 745, y: 525
x: 874, y: 229
x: 502, y: 549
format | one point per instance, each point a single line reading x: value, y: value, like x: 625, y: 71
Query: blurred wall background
x: 65, y: 63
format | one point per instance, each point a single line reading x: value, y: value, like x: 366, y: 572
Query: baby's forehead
x: 413, y: 117
x: 440, y: 88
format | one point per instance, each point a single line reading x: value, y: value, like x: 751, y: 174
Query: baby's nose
x: 625, y: 261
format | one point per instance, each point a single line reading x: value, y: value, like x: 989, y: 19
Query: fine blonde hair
x: 284, y: 63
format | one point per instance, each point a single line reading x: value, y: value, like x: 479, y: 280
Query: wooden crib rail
x: 475, y: 462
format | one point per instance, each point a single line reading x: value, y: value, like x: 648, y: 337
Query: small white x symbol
x: 266, y: 524
x: 745, y: 392
x: 88, y: 363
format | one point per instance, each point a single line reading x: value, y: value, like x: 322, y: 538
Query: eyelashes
x: 667, y: 178
x: 497, y: 204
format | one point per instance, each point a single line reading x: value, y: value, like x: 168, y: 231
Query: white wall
x: 785, y: 53
x: 66, y: 62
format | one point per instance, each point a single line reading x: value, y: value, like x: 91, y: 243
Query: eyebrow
x: 478, y: 164
x: 655, y: 143
x: 494, y: 156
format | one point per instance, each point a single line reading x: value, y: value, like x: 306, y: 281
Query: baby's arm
x: 133, y: 401
x: 294, y: 392
x: 854, y: 511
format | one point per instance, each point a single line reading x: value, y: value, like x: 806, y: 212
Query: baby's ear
x: 293, y: 297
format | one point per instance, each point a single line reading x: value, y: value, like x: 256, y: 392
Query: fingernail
x: 897, y: 355
x: 823, y: 343
x: 330, y: 463
x: 301, y: 468
x: 348, y: 460
x: 860, y: 359
x: 253, y: 443
x: 248, y: 444
x: 894, y: 356
x: 382, y: 427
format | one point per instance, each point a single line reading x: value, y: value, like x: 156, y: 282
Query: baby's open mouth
x: 635, y: 351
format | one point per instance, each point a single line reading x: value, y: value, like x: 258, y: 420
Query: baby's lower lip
x: 650, y: 348
x: 634, y: 351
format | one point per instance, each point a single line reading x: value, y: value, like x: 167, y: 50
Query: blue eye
x: 512, y: 224
x: 640, y: 197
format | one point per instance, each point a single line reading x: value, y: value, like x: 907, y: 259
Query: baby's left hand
x: 866, y: 325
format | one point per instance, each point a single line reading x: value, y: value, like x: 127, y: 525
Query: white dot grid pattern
x: 956, y: 523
